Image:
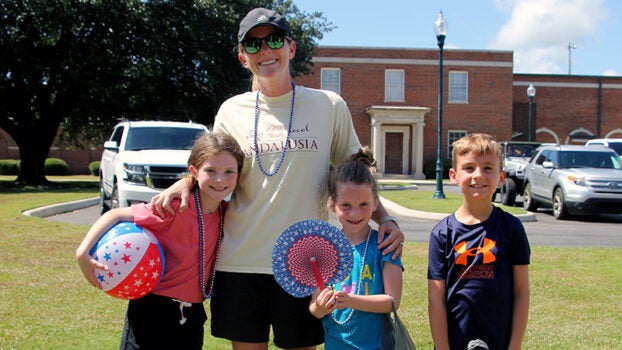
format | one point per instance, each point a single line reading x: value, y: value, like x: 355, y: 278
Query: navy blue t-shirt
x: 476, y: 263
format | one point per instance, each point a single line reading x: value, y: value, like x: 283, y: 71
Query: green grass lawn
x: 424, y: 201
x: 45, y: 303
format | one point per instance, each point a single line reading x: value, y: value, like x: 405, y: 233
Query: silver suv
x: 141, y: 158
x: 614, y: 144
x: 575, y: 180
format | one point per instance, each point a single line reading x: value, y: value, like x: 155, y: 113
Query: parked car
x: 516, y: 155
x: 614, y: 144
x: 142, y: 158
x: 575, y: 180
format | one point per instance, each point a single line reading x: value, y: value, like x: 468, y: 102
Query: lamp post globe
x: 531, y: 92
x: 440, y: 30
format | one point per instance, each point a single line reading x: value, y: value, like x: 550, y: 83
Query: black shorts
x: 157, y: 322
x: 245, y: 305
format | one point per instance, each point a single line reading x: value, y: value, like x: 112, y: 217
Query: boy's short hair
x: 478, y: 143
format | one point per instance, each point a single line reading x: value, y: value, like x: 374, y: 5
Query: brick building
x: 569, y: 108
x: 392, y: 94
x: 393, y: 98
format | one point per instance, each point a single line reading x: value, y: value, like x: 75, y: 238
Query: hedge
x: 429, y: 169
x: 94, y: 168
x: 9, y: 167
x: 56, y: 166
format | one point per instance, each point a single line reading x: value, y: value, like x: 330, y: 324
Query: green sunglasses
x: 274, y: 41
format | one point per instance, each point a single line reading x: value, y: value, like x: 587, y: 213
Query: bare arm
x: 393, y: 281
x: 161, y: 203
x: 106, y: 221
x: 521, y: 305
x: 395, y: 239
x: 437, y: 313
x: 378, y: 303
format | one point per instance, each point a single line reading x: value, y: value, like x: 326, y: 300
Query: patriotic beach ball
x: 134, y: 258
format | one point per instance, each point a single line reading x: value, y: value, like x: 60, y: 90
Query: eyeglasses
x: 274, y: 41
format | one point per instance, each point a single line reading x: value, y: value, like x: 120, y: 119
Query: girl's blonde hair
x: 211, y: 144
x: 359, y: 169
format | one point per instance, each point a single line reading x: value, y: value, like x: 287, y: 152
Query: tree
x: 81, y: 65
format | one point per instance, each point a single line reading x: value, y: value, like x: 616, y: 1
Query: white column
x: 376, y: 144
x: 418, y: 151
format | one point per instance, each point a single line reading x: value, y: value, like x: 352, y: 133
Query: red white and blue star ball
x: 135, y: 260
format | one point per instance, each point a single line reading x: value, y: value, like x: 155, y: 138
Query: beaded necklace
x: 202, y: 283
x: 358, y: 287
x: 289, y: 128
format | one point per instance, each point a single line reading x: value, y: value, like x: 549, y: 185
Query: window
x: 394, y: 85
x: 546, y: 156
x: 117, y: 135
x: 331, y: 79
x: 145, y: 138
x: 458, y: 87
x: 453, y: 136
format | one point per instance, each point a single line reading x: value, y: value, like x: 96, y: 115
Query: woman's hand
x: 394, y: 243
x: 161, y: 203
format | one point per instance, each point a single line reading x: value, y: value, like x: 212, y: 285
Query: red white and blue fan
x: 134, y: 258
x: 310, y: 254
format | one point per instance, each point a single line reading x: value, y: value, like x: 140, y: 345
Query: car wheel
x: 529, y: 203
x: 508, y: 192
x: 103, y: 207
x: 559, y: 207
x: 114, y: 197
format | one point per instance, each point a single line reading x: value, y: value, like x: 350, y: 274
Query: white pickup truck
x: 142, y: 158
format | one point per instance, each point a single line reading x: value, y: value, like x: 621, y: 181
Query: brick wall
x: 489, y: 107
x: 78, y: 160
x: 569, y: 105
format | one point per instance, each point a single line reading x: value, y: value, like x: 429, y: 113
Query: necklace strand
x: 289, y: 128
x: 358, y: 287
x: 202, y: 283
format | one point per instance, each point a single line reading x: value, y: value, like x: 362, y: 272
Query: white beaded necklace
x: 358, y: 287
x: 289, y: 129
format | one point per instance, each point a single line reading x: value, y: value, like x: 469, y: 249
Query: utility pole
x: 571, y: 47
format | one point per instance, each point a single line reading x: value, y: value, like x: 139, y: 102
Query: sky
x: 539, y: 32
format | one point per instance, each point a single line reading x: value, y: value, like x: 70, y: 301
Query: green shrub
x: 56, y: 166
x: 429, y: 169
x: 94, y: 168
x: 9, y: 167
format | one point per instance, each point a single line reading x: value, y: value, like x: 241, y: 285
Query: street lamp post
x: 531, y: 92
x: 440, y: 29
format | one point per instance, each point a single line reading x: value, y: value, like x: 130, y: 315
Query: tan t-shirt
x: 262, y: 207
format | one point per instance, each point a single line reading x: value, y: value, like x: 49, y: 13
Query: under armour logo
x: 464, y: 253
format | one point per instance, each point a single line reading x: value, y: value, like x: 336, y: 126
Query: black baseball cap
x: 261, y: 16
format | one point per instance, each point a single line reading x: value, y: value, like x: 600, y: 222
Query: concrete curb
x: 398, y: 210
x: 60, y: 208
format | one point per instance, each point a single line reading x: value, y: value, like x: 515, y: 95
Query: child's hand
x: 326, y: 301
x: 342, y: 300
x: 87, y: 264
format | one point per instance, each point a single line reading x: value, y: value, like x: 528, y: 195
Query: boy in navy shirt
x: 478, y: 275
